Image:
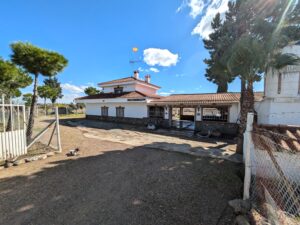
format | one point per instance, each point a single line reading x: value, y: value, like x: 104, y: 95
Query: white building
x: 281, y: 102
x: 121, y: 98
x: 134, y: 100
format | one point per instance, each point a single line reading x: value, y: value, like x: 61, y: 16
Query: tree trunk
x: 223, y: 87
x: 32, y: 110
x: 247, y: 105
x: 8, y: 126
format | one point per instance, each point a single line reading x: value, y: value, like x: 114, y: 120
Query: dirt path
x: 113, y: 183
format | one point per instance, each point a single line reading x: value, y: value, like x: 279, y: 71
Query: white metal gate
x: 12, y: 130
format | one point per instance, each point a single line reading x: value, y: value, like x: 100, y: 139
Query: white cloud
x: 196, y: 7
x: 160, y: 57
x: 179, y: 75
x: 91, y: 84
x: 73, y: 88
x: 154, y: 70
x: 68, y: 98
x: 203, y: 28
x: 164, y: 93
x: 141, y: 69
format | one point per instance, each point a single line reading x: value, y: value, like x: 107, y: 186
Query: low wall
x: 204, y: 127
x: 159, y: 122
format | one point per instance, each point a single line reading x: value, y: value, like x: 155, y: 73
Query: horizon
x: 97, y: 38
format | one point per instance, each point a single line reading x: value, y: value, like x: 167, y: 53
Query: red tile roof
x: 127, y: 79
x: 209, y: 98
x: 133, y: 94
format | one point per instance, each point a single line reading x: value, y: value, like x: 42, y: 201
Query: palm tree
x: 261, y: 30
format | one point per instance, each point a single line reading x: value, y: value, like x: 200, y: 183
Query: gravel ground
x: 113, y: 183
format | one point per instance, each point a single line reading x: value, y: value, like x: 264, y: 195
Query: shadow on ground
x: 181, y: 133
x: 136, y: 186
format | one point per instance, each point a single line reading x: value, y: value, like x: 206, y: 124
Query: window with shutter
x: 104, y: 111
x: 120, y: 111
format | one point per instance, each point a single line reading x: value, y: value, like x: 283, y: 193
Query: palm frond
x: 281, y: 60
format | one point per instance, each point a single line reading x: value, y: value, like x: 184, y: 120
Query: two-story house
x: 122, y: 99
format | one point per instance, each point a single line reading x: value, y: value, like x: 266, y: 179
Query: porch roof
x: 203, y: 99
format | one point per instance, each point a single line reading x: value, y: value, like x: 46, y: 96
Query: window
x: 279, y: 83
x: 156, y: 112
x: 118, y: 90
x: 104, y: 111
x: 215, y: 114
x: 120, y: 111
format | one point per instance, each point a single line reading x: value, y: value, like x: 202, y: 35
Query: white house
x: 122, y: 99
x: 281, y: 102
x: 135, y: 100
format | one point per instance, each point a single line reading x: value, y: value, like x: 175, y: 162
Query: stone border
x: 27, y: 160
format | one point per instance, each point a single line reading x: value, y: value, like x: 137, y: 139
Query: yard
x: 123, y: 176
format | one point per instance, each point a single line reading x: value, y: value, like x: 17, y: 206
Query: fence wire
x: 44, y: 134
x: 275, y: 183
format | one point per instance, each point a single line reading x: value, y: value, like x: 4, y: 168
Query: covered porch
x: 203, y: 113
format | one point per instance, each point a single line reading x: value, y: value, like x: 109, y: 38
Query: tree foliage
x: 91, y: 91
x: 27, y: 99
x: 12, y: 79
x: 56, y: 90
x: 216, y: 70
x: 36, y: 60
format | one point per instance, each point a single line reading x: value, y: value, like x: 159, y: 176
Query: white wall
x: 132, y: 109
x: 145, y: 89
x: 279, y: 111
x: 234, y: 111
x: 289, y: 84
x: 92, y: 109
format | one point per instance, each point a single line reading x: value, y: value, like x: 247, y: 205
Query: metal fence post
x: 247, y: 153
x: 57, y: 130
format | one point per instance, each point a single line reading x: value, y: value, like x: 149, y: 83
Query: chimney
x: 147, y: 78
x: 136, y: 74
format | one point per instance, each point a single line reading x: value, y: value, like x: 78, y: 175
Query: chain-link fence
x: 275, y: 174
x: 49, y: 110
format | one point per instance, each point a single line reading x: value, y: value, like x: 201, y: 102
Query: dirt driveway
x: 115, y: 183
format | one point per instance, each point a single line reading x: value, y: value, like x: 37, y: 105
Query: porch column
x: 168, y: 114
x: 180, y: 112
x: 198, y: 115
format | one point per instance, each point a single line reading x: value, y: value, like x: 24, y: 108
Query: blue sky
x: 97, y: 37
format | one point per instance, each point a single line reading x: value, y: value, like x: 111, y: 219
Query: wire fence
x: 49, y: 110
x: 275, y: 174
x: 14, y: 122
